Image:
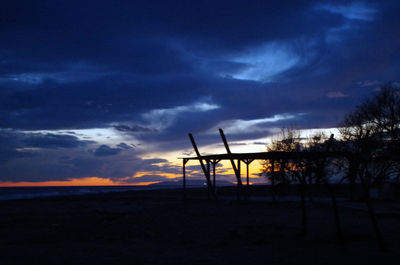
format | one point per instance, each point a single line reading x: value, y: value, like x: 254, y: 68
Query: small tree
x: 276, y: 170
x: 285, y: 171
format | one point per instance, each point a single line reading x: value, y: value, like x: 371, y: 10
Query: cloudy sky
x: 105, y: 92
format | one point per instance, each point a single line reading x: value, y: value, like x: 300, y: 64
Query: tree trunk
x: 338, y: 227
x: 310, y: 187
x: 303, y: 208
x: 372, y: 215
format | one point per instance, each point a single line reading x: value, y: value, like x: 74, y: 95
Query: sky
x: 105, y: 92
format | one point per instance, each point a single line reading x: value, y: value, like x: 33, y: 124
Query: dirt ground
x: 158, y: 227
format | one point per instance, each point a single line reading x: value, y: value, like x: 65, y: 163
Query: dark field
x: 158, y: 227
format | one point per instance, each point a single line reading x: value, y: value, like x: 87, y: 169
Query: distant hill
x: 191, y: 183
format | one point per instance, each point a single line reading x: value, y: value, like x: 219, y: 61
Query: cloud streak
x: 265, y: 63
x: 253, y: 126
x: 352, y: 11
x: 160, y: 119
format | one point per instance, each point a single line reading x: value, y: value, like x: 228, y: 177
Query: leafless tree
x: 371, y: 136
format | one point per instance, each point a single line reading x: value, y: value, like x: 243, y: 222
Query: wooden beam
x: 274, y: 155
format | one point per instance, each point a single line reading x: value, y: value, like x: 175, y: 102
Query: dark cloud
x: 49, y: 140
x: 105, y: 150
x: 12, y: 154
x: 16, y: 144
x: 49, y: 164
x: 134, y: 129
x: 161, y: 166
x: 145, y: 69
x: 156, y: 160
x: 125, y: 146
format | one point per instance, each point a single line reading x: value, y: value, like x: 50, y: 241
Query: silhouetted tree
x: 371, y: 136
x: 285, y: 171
x: 383, y: 112
x: 275, y: 170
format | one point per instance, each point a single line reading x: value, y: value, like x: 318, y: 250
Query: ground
x: 158, y: 227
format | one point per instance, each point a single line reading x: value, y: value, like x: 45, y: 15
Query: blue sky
x: 111, y: 89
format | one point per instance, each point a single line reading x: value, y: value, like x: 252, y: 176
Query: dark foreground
x: 157, y: 227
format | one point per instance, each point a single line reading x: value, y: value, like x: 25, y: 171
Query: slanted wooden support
x: 206, y: 171
x: 235, y: 169
x: 184, y: 161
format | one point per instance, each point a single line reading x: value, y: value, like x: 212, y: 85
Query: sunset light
x: 200, y: 132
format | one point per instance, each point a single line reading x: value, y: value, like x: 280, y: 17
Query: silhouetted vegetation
x: 369, y: 144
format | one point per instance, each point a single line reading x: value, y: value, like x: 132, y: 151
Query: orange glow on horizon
x: 226, y: 169
x: 90, y: 181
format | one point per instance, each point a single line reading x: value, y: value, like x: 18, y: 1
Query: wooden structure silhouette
x: 247, y: 158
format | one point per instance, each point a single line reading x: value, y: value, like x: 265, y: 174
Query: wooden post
x: 214, y: 162
x: 247, y: 162
x: 247, y: 175
x: 239, y: 176
x: 239, y: 171
x: 208, y: 184
x: 206, y: 173
x: 214, y: 176
x: 184, y: 161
